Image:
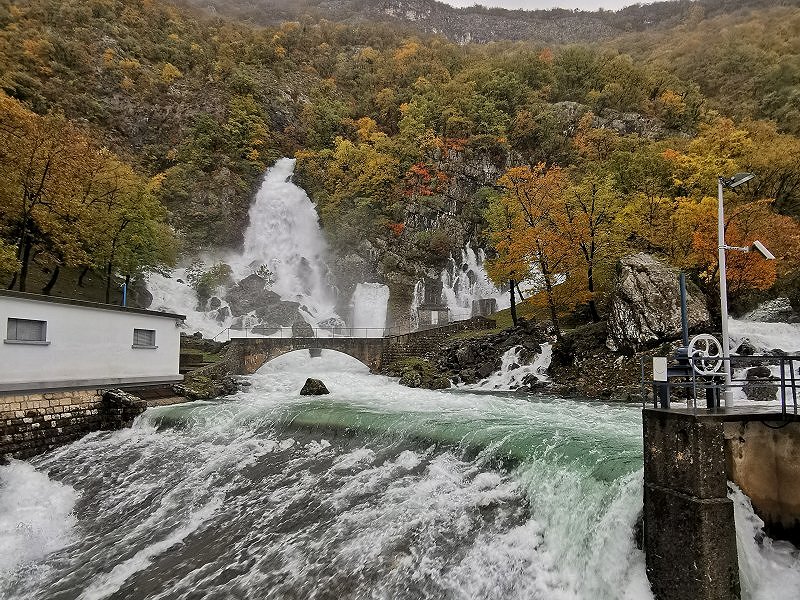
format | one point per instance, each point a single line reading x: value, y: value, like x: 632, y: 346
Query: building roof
x: 87, y: 304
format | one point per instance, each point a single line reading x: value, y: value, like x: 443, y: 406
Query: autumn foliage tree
x: 68, y: 202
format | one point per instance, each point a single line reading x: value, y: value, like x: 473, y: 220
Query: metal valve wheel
x: 706, y: 351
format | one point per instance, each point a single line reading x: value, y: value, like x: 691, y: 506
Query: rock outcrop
x: 469, y: 361
x: 249, y: 295
x: 314, y: 387
x: 646, y: 307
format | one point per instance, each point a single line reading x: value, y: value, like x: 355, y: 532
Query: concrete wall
x: 689, y: 532
x: 764, y: 462
x: 88, y: 344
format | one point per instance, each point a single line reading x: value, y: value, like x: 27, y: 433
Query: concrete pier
x: 689, y: 457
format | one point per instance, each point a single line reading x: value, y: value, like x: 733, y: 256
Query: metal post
x: 124, y: 294
x: 723, y: 296
x: 684, y: 312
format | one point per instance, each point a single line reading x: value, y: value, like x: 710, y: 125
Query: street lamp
x: 730, y: 183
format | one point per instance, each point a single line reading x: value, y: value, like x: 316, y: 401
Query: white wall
x: 87, y: 344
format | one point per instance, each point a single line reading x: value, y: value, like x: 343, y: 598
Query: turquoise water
x: 375, y: 491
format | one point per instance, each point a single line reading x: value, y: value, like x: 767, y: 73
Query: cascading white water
x: 514, y: 375
x: 370, y: 304
x: 416, y: 300
x: 284, y: 236
x: 429, y: 496
x: 465, y: 281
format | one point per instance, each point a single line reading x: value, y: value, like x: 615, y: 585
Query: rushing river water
x: 374, y: 492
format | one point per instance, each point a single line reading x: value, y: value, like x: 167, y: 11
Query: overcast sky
x: 533, y: 4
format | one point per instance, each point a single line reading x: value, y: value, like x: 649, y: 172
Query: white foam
x: 35, y: 515
x: 512, y: 374
x: 768, y: 570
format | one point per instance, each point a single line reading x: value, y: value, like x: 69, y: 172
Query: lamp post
x: 722, y: 183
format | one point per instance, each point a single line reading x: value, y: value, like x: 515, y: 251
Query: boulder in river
x: 646, y: 307
x: 314, y: 387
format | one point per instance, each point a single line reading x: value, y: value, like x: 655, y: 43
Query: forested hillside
x: 409, y: 145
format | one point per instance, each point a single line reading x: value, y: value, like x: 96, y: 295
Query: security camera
x: 762, y: 250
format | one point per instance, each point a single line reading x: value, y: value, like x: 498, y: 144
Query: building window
x: 26, y: 331
x: 144, y: 338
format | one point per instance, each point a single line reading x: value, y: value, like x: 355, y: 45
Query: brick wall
x: 35, y: 423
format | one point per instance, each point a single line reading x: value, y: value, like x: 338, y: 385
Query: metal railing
x: 310, y: 332
x: 779, y: 379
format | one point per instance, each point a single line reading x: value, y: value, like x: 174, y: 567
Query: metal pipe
x: 723, y: 295
x: 684, y: 311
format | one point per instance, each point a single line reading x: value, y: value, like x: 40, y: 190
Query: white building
x: 60, y: 344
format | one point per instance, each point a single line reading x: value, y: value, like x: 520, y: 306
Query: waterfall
x: 416, y: 300
x: 465, y: 281
x: 284, y: 239
x: 285, y: 236
x: 370, y: 303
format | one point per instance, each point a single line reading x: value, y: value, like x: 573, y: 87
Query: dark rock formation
x: 281, y: 313
x: 302, y: 329
x: 779, y: 310
x: 583, y: 365
x: 471, y: 360
x: 418, y: 373
x: 249, y: 294
x: 206, y: 387
x: 314, y: 387
x: 646, y: 304
x: 118, y: 409
x: 760, y: 384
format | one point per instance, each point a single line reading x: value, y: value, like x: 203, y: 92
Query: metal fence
x: 310, y: 332
x: 766, y: 378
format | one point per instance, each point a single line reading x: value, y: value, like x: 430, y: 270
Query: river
x: 375, y: 491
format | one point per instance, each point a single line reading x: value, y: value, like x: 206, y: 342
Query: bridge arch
x: 306, y: 360
x: 250, y: 354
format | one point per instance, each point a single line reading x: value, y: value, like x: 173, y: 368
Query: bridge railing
x: 309, y: 332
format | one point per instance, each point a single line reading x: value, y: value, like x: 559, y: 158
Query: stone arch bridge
x: 247, y: 355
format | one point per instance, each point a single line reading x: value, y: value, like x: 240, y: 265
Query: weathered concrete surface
x: 765, y: 463
x: 689, y: 532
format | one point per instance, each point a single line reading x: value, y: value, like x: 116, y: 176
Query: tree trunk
x: 53, y: 278
x: 13, y: 281
x: 592, y: 304
x: 81, y: 277
x: 109, y: 271
x: 26, y: 259
x: 513, y: 303
x: 551, y: 301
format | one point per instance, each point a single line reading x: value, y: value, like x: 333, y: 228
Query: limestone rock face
x: 314, y: 387
x: 646, y: 306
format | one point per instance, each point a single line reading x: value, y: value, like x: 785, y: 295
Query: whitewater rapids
x: 375, y: 491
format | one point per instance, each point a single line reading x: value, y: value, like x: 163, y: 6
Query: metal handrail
x: 787, y: 381
x: 260, y: 331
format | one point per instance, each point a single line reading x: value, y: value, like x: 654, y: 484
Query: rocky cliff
x: 478, y: 23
